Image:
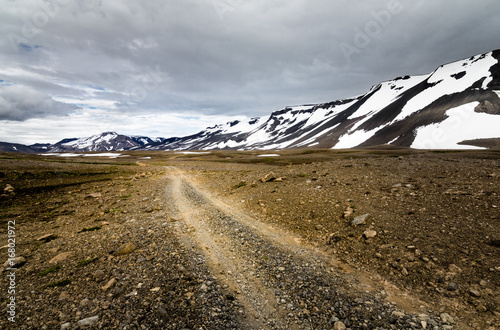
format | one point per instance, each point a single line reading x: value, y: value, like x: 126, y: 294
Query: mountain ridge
x: 422, y: 111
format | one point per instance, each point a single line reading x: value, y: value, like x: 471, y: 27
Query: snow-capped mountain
x: 107, y: 141
x: 456, y: 106
x: 15, y: 147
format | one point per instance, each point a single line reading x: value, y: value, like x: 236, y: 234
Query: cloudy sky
x: 73, y: 68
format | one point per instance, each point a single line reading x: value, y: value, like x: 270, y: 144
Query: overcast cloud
x: 168, y: 68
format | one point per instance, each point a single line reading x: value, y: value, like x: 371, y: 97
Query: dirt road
x: 280, y: 282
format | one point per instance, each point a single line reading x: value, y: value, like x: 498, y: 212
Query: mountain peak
x: 437, y: 110
x: 457, y: 106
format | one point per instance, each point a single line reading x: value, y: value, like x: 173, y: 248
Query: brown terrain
x: 312, y: 239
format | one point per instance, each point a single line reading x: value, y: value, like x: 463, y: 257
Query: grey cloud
x: 20, y: 103
x: 234, y: 57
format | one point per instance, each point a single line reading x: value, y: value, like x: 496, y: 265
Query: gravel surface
x: 193, y: 244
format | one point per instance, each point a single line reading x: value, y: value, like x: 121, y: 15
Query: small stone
x: 475, y: 293
x: 369, y: 233
x: 108, y: 285
x: 269, y: 177
x: 131, y: 294
x: 334, y: 319
x: 360, y: 219
x: 88, y: 321
x: 204, y: 287
x: 446, y: 318
x: 155, y: 289
x: 64, y: 296
x: 452, y: 286
x: 339, y: 326
x: 319, y: 227
x: 66, y: 325
x: 84, y: 302
x: 483, y: 283
x: 454, y: 269
x: 423, y: 324
x: 348, y: 212
x: 61, y: 257
x: 53, y: 250
x: 47, y: 237
x: 14, y: 262
x: 481, y: 309
x: 116, y: 292
x: 398, y: 314
x: 126, y: 249
x: 404, y: 271
x: 8, y: 189
x: 99, y: 275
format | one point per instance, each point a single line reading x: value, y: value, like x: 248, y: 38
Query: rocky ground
x: 231, y: 240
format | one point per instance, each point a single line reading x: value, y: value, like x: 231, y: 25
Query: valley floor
x: 232, y: 240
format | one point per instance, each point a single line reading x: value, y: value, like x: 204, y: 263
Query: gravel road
x: 278, y: 281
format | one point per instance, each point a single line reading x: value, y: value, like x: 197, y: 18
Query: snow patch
x: 269, y: 155
x: 463, y: 124
x: 69, y: 154
x: 108, y: 154
x: 193, y: 153
x: 351, y: 140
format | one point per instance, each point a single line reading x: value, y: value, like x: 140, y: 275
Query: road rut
x: 279, y: 281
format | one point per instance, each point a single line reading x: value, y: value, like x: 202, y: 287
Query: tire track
x: 279, y: 282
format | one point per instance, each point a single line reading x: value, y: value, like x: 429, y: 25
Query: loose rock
x: 99, y: 275
x: 47, y: 237
x: 360, y: 219
x: 339, y: 326
x: 369, y: 234
x: 348, y: 212
x: 15, y: 262
x: 88, y: 321
x: 126, y: 249
x: 108, y: 285
x: 61, y: 257
x: 475, y: 293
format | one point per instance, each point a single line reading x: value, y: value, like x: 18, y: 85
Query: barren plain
x: 309, y: 239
